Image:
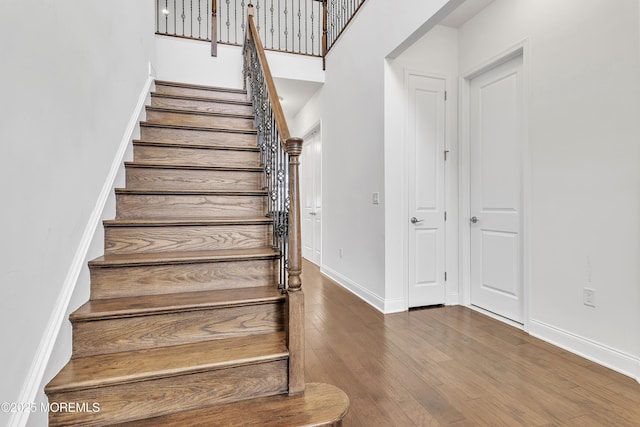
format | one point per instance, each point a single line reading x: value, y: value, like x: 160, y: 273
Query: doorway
x: 426, y: 196
x: 496, y: 141
x: 311, y: 196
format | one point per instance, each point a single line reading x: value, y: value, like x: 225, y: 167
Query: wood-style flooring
x: 452, y: 366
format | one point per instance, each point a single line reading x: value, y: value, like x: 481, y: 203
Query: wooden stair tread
x: 192, y: 192
x: 195, y: 144
x: 142, y: 164
x: 198, y: 112
x: 156, y: 304
x: 185, y: 222
x: 162, y: 362
x: 197, y: 86
x: 200, y: 98
x: 186, y: 257
x: 320, y: 405
x: 193, y: 127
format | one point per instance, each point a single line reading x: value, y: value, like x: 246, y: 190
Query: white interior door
x: 426, y: 154
x: 311, y: 196
x: 495, y: 132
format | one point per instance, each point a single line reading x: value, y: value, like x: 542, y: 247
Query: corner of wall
x: 34, y: 378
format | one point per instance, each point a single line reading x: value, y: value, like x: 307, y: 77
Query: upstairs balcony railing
x: 307, y: 27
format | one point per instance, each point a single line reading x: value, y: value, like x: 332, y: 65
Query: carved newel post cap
x: 294, y: 146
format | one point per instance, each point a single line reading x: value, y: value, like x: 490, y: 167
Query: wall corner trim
x: 609, y: 357
x: 45, y: 348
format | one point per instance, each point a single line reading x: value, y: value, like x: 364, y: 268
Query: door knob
x: 312, y: 213
x: 415, y: 220
x: 473, y: 219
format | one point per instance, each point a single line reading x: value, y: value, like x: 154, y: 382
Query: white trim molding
x: 36, y: 372
x: 521, y: 48
x: 363, y: 293
x: 609, y: 357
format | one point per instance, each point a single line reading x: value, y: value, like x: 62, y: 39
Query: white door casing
x: 311, y: 196
x: 426, y: 189
x: 496, y: 190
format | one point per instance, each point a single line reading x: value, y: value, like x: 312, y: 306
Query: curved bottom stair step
x: 320, y: 405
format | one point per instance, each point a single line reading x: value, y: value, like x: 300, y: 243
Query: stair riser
x: 135, y: 206
x: 188, y: 119
x: 126, y: 240
x: 167, y: 155
x: 186, y: 179
x: 127, y: 402
x: 211, y: 138
x: 202, y: 93
x: 204, y: 106
x: 115, y: 282
x: 137, y: 333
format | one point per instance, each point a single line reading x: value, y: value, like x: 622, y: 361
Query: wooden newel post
x: 295, y: 297
x: 214, y: 28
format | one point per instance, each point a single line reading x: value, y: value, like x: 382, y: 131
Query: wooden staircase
x: 185, y: 313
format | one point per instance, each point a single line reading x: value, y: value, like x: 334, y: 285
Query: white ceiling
x: 464, y: 12
x: 295, y: 94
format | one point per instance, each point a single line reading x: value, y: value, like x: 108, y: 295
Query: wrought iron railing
x: 339, y: 13
x: 293, y: 26
x: 280, y: 154
x: 273, y: 156
x: 184, y: 18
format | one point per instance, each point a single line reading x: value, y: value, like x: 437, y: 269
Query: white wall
x: 308, y: 116
x: 184, y: 60
x: 435, y: 55
x: 583, y: 132
x: 190, y: 61
x: 353, y: 137
x: 70, y: 86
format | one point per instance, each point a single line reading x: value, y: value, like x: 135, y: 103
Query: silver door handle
x: 415, y: 220
x: 312, y: 213
x: 473, y: 219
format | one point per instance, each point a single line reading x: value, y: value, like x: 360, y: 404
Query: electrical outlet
x: 376, y: 198
x: 589, y: 297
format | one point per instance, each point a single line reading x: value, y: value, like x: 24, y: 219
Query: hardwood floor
x: 452, y: 366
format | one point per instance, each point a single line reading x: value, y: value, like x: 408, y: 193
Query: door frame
x: 317, y: 128
x: 450, y: 244
x: 464, y: 171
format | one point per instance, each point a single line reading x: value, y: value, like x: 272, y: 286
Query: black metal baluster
x: 271, y: 30
x: 166, y: 16
x: 183, y: 16
x: 235, y: 21
x: 243, y: 20
x: 286, y: 27
x: 313, y: 34
x: 299, y: 27
x: 199, y: 19
x: 228, y: 23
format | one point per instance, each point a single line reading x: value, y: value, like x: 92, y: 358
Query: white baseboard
x: 380, y: 304
x: 395, y: 305
x: 616, y: 360
x: 360, y: 291
x: 36, y: 373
